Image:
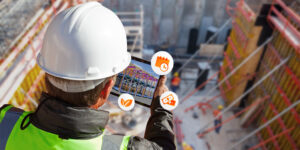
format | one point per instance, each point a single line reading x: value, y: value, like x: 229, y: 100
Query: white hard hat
x: 85, y: 42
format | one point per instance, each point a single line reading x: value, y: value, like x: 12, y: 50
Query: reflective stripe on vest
x: 8, y: 118
x: 115, y: 142
x: 33, y: 138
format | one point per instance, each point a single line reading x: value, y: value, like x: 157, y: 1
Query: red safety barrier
x: 233, y: 116
x: 283, y: 95
x: 239, y: 31
x: 261, y: 140
x: 257, y: 113
x: 282, y: 125
x: 224, y: 74
x: 179, y: 133
x: 271, y: 138
x: 248, y: 14
x: 223, y: 92
x: 288, y: 70
x: 200, y: 86
x: 201, y: 105
x: 286, y: 24
x: 229, y: 9
x: 228, y: 61
x: 236, y: 53
x: 271, y: 134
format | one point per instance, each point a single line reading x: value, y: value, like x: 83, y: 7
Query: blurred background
x: 236, y: 66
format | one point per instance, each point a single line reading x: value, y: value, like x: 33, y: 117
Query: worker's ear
x: 104, y: 93
x: 107, y: 88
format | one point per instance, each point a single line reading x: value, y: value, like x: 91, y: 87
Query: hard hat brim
x: 119, y: 68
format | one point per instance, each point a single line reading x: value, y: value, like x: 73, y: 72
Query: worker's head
x: 84, y: 45
x: 176, y: 74
x: 220, y: 107
x: 80, y: 93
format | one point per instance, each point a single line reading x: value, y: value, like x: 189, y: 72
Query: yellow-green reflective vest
x: 12, y: 137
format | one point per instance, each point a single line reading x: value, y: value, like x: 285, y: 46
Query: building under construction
x: 242, y: 54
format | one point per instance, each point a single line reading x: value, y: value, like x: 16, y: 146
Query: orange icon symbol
x: 126, y: 103
x: 169, y: 100
x: 162, y: 63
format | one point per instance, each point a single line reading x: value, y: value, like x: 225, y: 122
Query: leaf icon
x: 126, y: 103
x: 122, y: 101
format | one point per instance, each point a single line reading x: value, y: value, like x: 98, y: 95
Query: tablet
x: 139, y: 80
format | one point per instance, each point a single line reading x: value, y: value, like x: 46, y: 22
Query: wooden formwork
x: 242, y: 42
x: 28, y: 83
x: 283, y: 86
x: 30, y: 90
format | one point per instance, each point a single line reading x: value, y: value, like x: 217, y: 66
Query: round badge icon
x: 162, y: 63
x: 126, y: 102
x: 169, y: 100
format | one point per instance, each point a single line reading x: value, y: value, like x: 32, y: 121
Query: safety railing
x: 284, y: 85
x: 20, y: 74
x: 241, y: 43
x: 285, y: 21
x: 133, y: 23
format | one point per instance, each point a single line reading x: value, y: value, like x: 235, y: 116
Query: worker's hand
x: 161, y: 87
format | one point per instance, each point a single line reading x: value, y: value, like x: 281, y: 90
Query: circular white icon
x: 126, y: 102
x: 162, y: 63
x: 169, y: 100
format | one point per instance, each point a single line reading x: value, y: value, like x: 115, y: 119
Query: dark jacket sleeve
x: 159, y: 131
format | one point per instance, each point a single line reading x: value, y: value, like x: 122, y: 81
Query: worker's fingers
x: 165, y: 89
x: 161, y: 87
x: 162, y: 81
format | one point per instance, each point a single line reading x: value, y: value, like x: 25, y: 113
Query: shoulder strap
x: 115, y: 142
x: 9, y: 117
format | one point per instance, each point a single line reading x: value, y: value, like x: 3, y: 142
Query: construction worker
x: 218, y: 119
x: 185, y: 146
x: 83, y: 50
x: 175, y: 82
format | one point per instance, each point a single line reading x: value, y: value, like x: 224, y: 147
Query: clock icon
x: 164, y: 67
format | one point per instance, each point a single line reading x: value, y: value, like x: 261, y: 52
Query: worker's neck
x: 99, y: 103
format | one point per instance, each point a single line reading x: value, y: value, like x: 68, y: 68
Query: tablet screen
x: 139, y: 80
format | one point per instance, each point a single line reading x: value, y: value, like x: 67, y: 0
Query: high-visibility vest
x: 12, y: 137
x: 216, y: 113
x: 175, y: 81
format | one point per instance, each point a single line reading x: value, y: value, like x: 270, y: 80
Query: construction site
x: 243, y: 55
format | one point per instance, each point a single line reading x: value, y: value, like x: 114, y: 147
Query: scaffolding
x: 133, y: 23
x: 284, y: 85
x: 260, y: 71
x: 263, y: 71
x: 21, y: 79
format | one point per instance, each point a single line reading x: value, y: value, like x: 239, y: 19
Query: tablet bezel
x: 140, y: 103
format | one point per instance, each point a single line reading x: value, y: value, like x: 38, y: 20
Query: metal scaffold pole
x: 235, y: 69
x: 240, y: 65
x: 244, y: 61
x: 247, y: 92
x: 272, y: 138
x: 264, y: 125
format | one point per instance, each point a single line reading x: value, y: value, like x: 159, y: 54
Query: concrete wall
x: 172, y: 27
